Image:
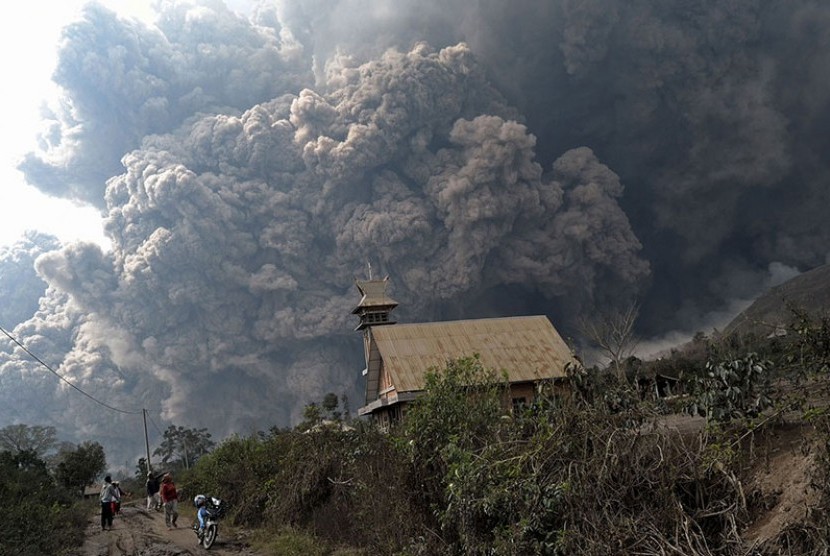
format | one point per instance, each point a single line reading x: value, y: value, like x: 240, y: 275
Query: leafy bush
x: 236, y: 471
x: 457, y: 414
x: 733, y: 389
x: 40, y: 517
x: 591, y: 473
x: 577, y: 475
x: 344, y: 487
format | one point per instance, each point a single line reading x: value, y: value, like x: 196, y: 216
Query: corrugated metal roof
x: 374, y: 294
x: 528, y: 348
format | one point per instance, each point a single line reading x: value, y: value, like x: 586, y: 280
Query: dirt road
x: 138, y: 532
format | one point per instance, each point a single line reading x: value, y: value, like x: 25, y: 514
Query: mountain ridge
x: 771, y: 311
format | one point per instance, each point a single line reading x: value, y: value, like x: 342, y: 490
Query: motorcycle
x: 216, y: 510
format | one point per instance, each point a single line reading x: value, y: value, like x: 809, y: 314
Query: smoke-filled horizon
x: 492, y: 158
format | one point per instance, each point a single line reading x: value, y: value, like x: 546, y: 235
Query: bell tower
x: 375, y: 306
x: 374, y: 310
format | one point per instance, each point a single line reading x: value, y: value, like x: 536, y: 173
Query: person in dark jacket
x: 153, y: 499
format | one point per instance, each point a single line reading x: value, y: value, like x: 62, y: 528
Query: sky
x: 233, y: 169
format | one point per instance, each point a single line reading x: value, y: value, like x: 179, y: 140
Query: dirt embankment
x: 137, y: 531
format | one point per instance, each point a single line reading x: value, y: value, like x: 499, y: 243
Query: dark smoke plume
x: 493, y: 158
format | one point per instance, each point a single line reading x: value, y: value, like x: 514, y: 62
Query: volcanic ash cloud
x: 236, y: 238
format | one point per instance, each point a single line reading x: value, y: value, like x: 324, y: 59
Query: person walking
x: 107, y: 497
x: 153, y: 500
x: 170, y: 499
x: 116, y: 502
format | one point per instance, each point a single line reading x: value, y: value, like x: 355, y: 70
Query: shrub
x: 238, y: 471
x: 568, y: 476
x: 39, y: 516
x: 458, y: 413
x: 732, y: 389
x: 344, y: 487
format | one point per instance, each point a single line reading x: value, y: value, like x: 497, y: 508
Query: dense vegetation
x: 43, y: 508
x: 589, y: 473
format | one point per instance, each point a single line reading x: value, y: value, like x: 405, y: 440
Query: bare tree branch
x: 613, y: 333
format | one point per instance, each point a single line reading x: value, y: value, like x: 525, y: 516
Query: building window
x: 375, y: 318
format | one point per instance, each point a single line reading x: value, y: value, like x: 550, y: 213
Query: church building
x: 398, y: 356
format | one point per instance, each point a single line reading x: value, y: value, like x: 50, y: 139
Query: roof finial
x: 369, y: 264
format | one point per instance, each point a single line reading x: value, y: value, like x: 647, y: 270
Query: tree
x: 326, y: 413
x: 38, y: 518
x: 26, y: 461
x: 22, y: 475
x: 80, y: 467
x: 184, y: 446
x: 312, y: 417
x: 613, y: 333
x: 330, y: 404
x: 19, y: 438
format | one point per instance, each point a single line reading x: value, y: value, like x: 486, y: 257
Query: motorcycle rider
x: 200, y: 501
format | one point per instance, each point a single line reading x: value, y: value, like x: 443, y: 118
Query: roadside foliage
x: 590, y: 472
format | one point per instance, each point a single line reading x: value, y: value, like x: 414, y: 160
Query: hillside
x: 809, y: 291
x: 781, y: 481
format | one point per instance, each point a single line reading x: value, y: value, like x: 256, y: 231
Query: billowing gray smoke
x: 251, y: 167
x: 20, y: 286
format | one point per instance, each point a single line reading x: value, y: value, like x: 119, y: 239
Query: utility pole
x: 146, y: 441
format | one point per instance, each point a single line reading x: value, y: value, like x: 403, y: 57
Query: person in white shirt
x: 108, y: 495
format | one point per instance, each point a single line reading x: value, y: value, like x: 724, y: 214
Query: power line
x: 155, y: 426
x: 126, y: 412
x: 36, y: 358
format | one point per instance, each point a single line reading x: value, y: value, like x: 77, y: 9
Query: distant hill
x: 809, y: 291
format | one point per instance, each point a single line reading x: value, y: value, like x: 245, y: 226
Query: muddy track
x: 137, y: 532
